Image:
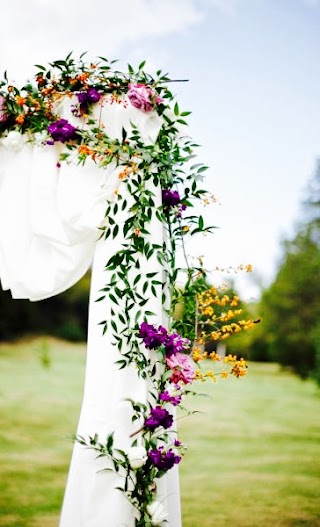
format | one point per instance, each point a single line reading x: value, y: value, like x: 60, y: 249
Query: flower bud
x: 157, y: 513
x: 137, y: 456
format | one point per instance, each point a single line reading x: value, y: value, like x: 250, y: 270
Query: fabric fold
x: 51, y: 212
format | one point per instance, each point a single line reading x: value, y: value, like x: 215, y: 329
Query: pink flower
x: 143, y: 97
x: 3, y: 109
x: 182, y: 366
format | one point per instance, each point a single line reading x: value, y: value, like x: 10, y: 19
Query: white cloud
x: 46, y: 30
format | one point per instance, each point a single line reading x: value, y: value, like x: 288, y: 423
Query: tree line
x: 64, y: 316
x: 290, y: 307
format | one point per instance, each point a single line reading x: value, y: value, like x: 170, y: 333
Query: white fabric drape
x: 49, y: 215
x: 49, y: 231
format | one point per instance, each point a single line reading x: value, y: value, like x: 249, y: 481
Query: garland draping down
x: 94, y: 161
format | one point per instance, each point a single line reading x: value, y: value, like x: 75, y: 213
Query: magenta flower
x: 94, y: 95
x: 89, y: 97
x: 3, y: 109
x: 163, y: 460
x: 62, y: 131
x: 143, y: 97
x: 170, y: 198
x: 182, y: 368
x: 167, y: 398
x: 153, y: 338
x: 174, y: 343
x: 159, y: 417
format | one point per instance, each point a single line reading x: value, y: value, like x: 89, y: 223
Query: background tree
x: 290, y: 307
x: 64, y: 315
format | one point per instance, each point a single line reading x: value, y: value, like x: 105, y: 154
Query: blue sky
x: 254, y: 90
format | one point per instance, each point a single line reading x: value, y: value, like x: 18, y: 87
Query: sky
x: 253, y: 87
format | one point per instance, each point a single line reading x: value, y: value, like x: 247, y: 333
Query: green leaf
x: 202, y: 169
x: 109, y: 443
x: 100, y: 298
x: 114, y: 326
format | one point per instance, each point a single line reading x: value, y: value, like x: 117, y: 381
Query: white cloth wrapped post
x: 104, y: 410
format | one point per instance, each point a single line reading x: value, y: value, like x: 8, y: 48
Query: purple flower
x: 90, y: 96
x: 94, y: 95
x: 142, y: 97
x: 174, y: 343
x: 62, y: 131
x: 82, y: 97
x: 163, y: 460
x: 75, y: 110
x: 181, y: 209
x: 153, y: 338
x: 159, y: 417
x: 170, y: 198
x: 3, y: 109
x: 173, y: 399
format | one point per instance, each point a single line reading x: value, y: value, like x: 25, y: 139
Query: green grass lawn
x: 254, y: 450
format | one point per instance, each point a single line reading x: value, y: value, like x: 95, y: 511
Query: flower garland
x: 170, y: 364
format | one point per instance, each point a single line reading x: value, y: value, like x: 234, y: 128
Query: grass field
x: 254, y: 456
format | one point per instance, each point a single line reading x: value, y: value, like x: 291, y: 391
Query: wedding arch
x: 97, y: 165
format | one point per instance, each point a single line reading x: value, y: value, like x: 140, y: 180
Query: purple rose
x: 3, y: 109
x: 62, y: 131
x: 163, y: 460
x: 182, y: 368
x: 159, y: 417
x: 143, y: 97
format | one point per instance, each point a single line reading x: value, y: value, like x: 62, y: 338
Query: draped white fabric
x: 49, y: 215
x: 49, y: 234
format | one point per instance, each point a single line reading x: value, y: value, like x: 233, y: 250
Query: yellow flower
x: 211, y: 375
x: 199, y: 376
x: 198, y: 355
x: 214, y: 356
